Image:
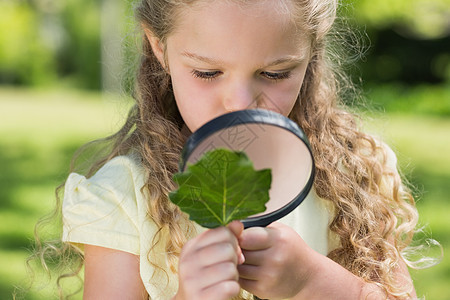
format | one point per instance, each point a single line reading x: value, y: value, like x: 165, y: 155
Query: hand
x: 278, y: 263
x: 208, y: 264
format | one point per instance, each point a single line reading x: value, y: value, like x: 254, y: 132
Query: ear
x: 157, y: 46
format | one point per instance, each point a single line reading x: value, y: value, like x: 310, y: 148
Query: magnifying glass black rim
x: 253, y: 116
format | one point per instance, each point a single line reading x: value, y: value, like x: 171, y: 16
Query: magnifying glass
x: 270, y: 140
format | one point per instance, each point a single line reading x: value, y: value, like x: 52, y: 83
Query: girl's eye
x: 276, y: 76
x: 205, y: 75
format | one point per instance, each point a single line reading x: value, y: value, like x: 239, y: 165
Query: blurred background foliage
x: 65, y: 64
x: 410, y: 39
x: 45, y: 42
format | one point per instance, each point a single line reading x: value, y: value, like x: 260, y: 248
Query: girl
x: 202, y: 59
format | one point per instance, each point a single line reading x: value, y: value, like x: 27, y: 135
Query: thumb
x: 236, y: 227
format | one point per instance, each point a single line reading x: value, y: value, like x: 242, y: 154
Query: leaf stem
x: 224, y: 202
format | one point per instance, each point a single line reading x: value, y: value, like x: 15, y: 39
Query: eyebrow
x: 290, y: 59
x: 202, y: 58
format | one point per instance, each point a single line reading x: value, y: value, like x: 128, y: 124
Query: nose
x: 240, y: 95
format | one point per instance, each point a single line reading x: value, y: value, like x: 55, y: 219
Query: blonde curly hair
x: 375, y: 216
x: 374, y: 223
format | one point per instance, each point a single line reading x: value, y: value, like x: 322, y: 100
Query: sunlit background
x: 64, y: 73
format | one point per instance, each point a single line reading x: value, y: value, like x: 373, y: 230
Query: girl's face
x: 224, y: 57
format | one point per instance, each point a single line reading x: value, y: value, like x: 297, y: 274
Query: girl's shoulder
x: 104, y: 209
x: 120, y: 178
x: 118, y: 170
x: 120, y: 174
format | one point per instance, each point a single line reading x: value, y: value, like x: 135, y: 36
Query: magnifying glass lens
x: 271, y: 141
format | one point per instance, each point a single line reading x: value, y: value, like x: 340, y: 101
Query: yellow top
x: 109, y: 210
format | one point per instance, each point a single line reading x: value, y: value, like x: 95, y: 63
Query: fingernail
x: 241, y: 259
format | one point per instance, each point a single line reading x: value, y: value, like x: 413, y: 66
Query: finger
x: 241, y: 257
x: 256, y: 238
x: 223, y: 290
x: 211, y: 236
x: 217, y: 253
x: 237, y: 228
x: 255, y: 258
x: 217, y: 273
x: 249, y: 272
x: 249, y: 285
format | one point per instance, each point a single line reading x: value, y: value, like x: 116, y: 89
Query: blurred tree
x: 396, y: 58
x: 78, y: 42
x: 44, y: 41
x: 111, y: 41
x: 409, y: 39
x: 79, y: 55
x: 25, y: 58
x: 418, y: 19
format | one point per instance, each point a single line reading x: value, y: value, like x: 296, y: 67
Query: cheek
x: 193, y: 99
x: 282, y: 98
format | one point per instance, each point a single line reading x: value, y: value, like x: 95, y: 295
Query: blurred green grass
x: 422, y: 145
x: 40, y: 130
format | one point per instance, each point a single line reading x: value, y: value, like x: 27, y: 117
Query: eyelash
x: 210, y: 75
x: 276, y: 76
x: 207, y: 76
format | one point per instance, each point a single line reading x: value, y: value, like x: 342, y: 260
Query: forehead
x: 280, y: 10
x: 241, y: 28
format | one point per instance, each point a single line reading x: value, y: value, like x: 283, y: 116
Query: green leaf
x: 220, y: 187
